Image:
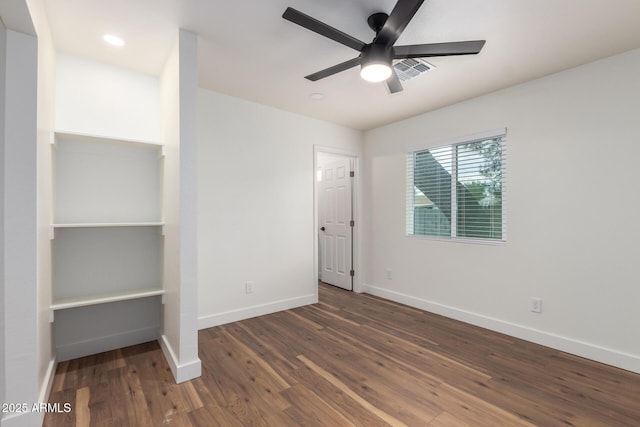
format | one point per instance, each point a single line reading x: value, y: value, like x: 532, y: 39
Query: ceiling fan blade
x: 334, y: 70
x: 398, y: 20
x: 321, y: 28
x: 393, y: 83
x: 438, y: 49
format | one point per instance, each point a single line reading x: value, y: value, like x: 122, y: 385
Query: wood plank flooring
x: 351, y: 360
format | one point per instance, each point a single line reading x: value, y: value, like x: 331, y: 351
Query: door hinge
x: 352, y: 174
x: 352, y: 223
x: 352, y: 273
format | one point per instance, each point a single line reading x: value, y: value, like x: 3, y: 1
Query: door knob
x: 322, y: 228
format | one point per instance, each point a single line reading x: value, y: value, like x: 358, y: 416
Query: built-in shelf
x: 52, y: 234
x: 108, y: 224
x: 107, y: 242
x: 73, y: 136
x: 105, y: 298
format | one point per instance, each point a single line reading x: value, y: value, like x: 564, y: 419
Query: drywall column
x: 44, y: 188
x: 178, y: 86
x: 19, y: 221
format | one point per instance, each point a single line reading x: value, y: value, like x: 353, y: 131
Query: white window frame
x: 453, y: 143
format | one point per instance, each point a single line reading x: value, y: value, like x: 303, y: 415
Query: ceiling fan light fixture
x: 376, y: 63
x: 375, y: 72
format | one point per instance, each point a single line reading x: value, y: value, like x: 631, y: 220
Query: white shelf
x: 73, y: 136
x: 109, y: 224
x: 105, y: 298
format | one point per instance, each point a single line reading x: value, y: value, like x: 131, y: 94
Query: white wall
x: 19, y: 220
x: 103, y: 100
x: 256, y: 206
x: 572, y: 214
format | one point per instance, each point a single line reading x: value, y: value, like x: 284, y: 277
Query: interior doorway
x: 335, y: 188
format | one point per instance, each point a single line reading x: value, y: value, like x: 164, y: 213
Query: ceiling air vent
x: 411, y: 67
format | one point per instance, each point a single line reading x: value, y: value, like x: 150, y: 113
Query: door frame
x: 356, y: 191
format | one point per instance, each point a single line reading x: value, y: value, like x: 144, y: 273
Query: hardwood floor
x: 351, y: 360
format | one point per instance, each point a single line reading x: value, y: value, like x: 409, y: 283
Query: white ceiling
x: 248, y: 51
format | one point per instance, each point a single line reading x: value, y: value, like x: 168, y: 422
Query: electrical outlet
x: 536, y: 304
x: 389, y: 274
x: 248, y: 288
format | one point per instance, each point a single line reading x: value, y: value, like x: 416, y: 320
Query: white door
x: 334, y: 221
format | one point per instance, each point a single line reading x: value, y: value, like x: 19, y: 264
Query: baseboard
x: 181, y: 371
x: 217, y: 319
x: 590, y: 351
x: 45, y: 392
x: 106, y: 343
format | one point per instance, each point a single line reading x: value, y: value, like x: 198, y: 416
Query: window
x: 457, y: 191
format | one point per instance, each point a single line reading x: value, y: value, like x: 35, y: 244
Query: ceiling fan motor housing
x: 376, y: 54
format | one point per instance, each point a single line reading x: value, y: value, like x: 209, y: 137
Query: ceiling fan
x: 376, y: 57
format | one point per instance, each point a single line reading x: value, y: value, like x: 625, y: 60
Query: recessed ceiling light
x: 317, y: 96
x: 113, y: 40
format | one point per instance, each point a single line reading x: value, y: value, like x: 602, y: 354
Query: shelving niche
x: 107, y: 243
